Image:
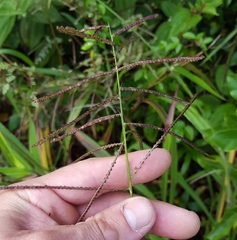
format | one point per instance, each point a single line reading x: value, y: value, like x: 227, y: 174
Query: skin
x: 52, y: 214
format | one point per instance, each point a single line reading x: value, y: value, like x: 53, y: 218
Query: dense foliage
x: 36, y: 60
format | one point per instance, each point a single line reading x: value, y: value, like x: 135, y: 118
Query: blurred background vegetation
x: 35, y: 60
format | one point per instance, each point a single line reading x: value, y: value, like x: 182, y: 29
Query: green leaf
x: 13, y: 7
x: 209, y: 9
x: 189, y: 133
x: 189, y: 35
x: 7, y: 151
x: 151, y: 119
x: 23, y: 6
x: 31, y: 32
x: 222, y: 229
x: 87, y: 45
x: 7, y: 8
x: 6, y: 25
x: 14, y: 122
x: 33, y: 139
x: 144, y: 190
x: 15, y: 152
x: 15, y: 173
x: 163, y: 31
x: 41, y: 16
x: 182, y: 21
x: 197, y: 80
x: 10, y: 78
x: 168, y: 8
x: 179, y: 129
x: 194, y: 195
x: 232, y: 85
x: 214, y: 3
x: 90, y: 144
x: 101, y: 8
x: 17, y: 54
x: 5, y: 88
x: 225, y: 139
x: 220, y: 46
x: 195, y: 118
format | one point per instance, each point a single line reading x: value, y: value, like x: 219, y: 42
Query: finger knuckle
x: 102, y: 229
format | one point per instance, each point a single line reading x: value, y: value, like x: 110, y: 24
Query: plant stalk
x: 122, y: 119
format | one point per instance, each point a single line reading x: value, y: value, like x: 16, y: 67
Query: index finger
x: 91, y: 172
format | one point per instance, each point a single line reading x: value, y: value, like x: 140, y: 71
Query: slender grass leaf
x: 16, y: 153
x: 15, y: 172
x: 8, y: 153
x: 145, y: 191
x: 194, y: 195
x: 197, y: 80
x: 17, y: 54
x: 220, y: 46
x: 90, y: 144
x: 32, y: 139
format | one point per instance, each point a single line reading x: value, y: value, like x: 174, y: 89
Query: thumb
x: 131, y: 218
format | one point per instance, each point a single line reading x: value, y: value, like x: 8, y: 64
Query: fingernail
x: 139, y: 214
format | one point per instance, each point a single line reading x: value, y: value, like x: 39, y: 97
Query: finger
x: 174, y: 222
x: 91, y: 172
x: 131, y: 218
x: 171, y: 221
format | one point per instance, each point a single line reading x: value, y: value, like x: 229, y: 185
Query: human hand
x: 52, y: 213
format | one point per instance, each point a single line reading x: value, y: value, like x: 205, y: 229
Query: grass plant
x: 107, y: 89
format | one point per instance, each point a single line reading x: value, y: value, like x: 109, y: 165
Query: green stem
x: 122, y: 120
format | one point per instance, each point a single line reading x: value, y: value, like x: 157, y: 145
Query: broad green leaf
x: 222, y: 229
x: 163, y: 31
x: 221, y: 114
x: 23, y: 5
x: 182, y: 21
x: 226, y: 139
x: 101, y: 8
x: 14, y: 7
x: 10, y: 78
x: 150, y: 119
x: 168, y: 8
x: 214, y: 3
x: 232, y: 85
x: 87, y: 45
x: 197, y: 80
x: 189, y: 35
x: 124, y: 4
x: 189, y: 133
x: 5, y: 88
x: 8, y: 8
x: 220, y: 79
x: 14, y: 122
x: 209, y: 9
x: 6, y: 25
x: 31, y: 32
x: 41, y: 16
